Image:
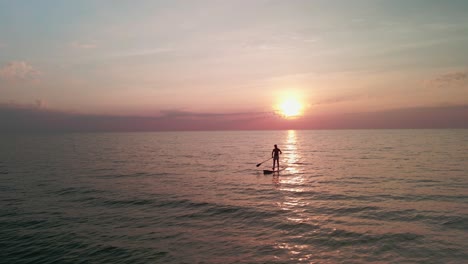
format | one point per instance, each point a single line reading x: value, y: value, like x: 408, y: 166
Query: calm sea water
x: 351, y: 196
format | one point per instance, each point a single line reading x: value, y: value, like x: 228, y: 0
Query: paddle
x: 263, y: 162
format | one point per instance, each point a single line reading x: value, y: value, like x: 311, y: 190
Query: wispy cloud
x: 35, y: 117
x: 449, y: 79
x: 143, y: 52
x: 453, y: 116
x: 18, y: 71
x: 197, y: 115
x: 37, y: 104
x: 83, y: 45
x: 338, y: 99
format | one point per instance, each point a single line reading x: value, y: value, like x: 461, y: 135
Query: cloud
x: 196, y: 115
x: 18, y: 71
x: 37, y: 104
x: 338, y: 99
x: 80, y: 45
x: 449, y: 79
x: 36, y: 117
x: 450, y: 116
x: 143, y: 52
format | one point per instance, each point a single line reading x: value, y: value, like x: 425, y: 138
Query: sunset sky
x: 157, y: 65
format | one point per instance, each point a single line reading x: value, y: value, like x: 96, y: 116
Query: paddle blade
x: 264, y: 161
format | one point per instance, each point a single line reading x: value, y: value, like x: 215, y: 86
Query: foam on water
x: 393, y: 196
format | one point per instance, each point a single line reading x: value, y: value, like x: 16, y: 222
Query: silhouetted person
x: 275, y: 155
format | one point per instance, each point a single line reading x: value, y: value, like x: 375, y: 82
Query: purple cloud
x: 35, y: 118
x: 338, y: 99
x: 448, y: 79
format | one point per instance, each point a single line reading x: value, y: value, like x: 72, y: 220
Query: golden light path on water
x: 291, y: 182
x: 291, y: 163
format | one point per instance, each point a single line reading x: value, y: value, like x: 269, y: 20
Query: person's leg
x: 274, y: 163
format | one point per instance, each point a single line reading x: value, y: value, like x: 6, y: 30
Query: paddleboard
x: 271, y: 171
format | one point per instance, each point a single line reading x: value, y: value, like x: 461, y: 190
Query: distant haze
x: 15, y: 120
x: 211, y: 65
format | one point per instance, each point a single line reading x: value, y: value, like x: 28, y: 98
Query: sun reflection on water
x: 291, y: 161
x: 291, y: 156
x: 291, y: 183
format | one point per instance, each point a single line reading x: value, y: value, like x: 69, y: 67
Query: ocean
x: 344, y: 196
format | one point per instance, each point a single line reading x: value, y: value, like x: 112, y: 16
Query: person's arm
x: 272, y: 153
x: 280, y: 151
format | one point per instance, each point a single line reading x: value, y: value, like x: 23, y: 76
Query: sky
x: 203, y: 65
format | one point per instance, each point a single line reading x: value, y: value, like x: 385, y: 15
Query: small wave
x: 129, y: 175
x: 457, y: 222
x: 334, y: 196
x: 420, y: 197
x: 4, y: 188
x: 395, y: 215
x: 209, y: 210
x: 422, y: 181
x: 338, y: 238
x: 112, y: 203
x: 301, y: 163
x: 344, y: 210
x: 157, y: 201
x: 182, y: 203
x: 296, y: 228
x: 72, y: 191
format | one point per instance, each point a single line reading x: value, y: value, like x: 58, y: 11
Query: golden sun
x: 290, y: 107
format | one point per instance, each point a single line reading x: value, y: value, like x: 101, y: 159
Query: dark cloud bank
x: 15, y: 119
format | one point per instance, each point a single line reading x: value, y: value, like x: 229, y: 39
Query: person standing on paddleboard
x: 275, y: 155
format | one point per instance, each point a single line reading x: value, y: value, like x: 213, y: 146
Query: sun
x: 290, y: 107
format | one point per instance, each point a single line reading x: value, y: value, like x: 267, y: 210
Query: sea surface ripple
x: 349, y: 196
